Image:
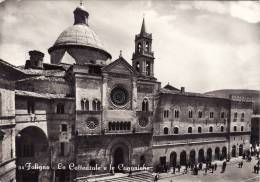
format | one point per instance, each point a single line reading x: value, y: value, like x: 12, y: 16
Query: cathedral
x: 85, y: 109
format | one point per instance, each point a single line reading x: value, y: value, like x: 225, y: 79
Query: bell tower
x: 143, y: 58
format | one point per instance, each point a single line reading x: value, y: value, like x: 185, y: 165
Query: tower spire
x: 143, y: 29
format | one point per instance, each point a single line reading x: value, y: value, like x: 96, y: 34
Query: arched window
x: 147, y: 46
x: 145, y: 105
x: 148, y: 68
x: 242, y: 128
x: 235, y: 128
x: 175, y: 130
x: 222, y: 115
x: 222, y: 128
x: 109, y: 126
x: 139, y: 47
x: 60, y: 108
x: 166, y: 113
x: 117, y: 125
x: 210, y: 129
x: 199, y: 129
x: 190, y: 130
x: 137, y: 66
x: 176, y: 113
x: 200, y: 114
x: 166, y: 130
x: 190, y: 113
x: 96, y: 105
x: 128, y: 125
x: 84, y: 104
x: 235, y: 115
x: 242, y: 117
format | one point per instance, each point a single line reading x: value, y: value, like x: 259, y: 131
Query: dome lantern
x: 80, y: 15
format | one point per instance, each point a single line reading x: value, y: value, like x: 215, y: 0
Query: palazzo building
x: 84, y: 109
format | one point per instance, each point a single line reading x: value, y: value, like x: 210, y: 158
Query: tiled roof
x: 42, y: 78
x: 43, y: 72
x: 175, y: 92
x: 41, y: 95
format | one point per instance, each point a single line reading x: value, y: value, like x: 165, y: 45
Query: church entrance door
x: 118, y: 159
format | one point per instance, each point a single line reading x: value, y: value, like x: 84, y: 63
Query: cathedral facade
x: 83, y: 110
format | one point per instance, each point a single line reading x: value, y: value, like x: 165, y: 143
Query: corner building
x: 85, y: 109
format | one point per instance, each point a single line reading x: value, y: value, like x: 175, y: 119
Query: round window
x: 92, y: 123
x: 119, y: 96
x: 143, y: 122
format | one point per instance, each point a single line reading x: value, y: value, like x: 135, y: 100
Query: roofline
x: 54, y: 47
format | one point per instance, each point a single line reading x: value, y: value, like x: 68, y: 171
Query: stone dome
x: 79, y: 34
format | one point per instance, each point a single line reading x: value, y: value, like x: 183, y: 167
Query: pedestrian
x: 206, y: 170
x: 239, y: 164
x: 173, y: 170
x: 130, y: 172
x: 186, y: 168
x: 196, y: 170
x: 200, y: 166
x: 224, y: 166
x: 254, y: 169
x: 215, y: 166
x: 179, y: 168
x: 212, y: 168
x: 257, y: 169
x: 156, y: 177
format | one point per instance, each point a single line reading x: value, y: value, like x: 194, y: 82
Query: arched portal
x: 201, y: 156
x: 224, y: 152
x: 240, y: 150
x: 209, y: 155
x: 193, y: 156
x: 217, y: 153
x: 31, y: 146
x: 173, y: 159
x: 118, y: 157
x: 183, y: 160
x: 233, y: 152
x: 142, y: 160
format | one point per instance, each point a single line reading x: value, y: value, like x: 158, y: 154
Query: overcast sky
x: 202, y: 45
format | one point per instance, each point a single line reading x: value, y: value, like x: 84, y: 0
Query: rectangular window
x: 211, y: 114
x: 62, y: 148
x: 30, y: 107
x: 190, y: 114
x: 64, y: 128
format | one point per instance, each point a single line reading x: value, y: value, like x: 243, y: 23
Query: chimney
x: 36, y: 60
x: 182, y: 89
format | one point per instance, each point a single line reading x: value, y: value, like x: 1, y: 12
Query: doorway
x: 118, y: 157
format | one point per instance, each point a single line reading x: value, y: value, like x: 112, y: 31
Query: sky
x: 201, y: 45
